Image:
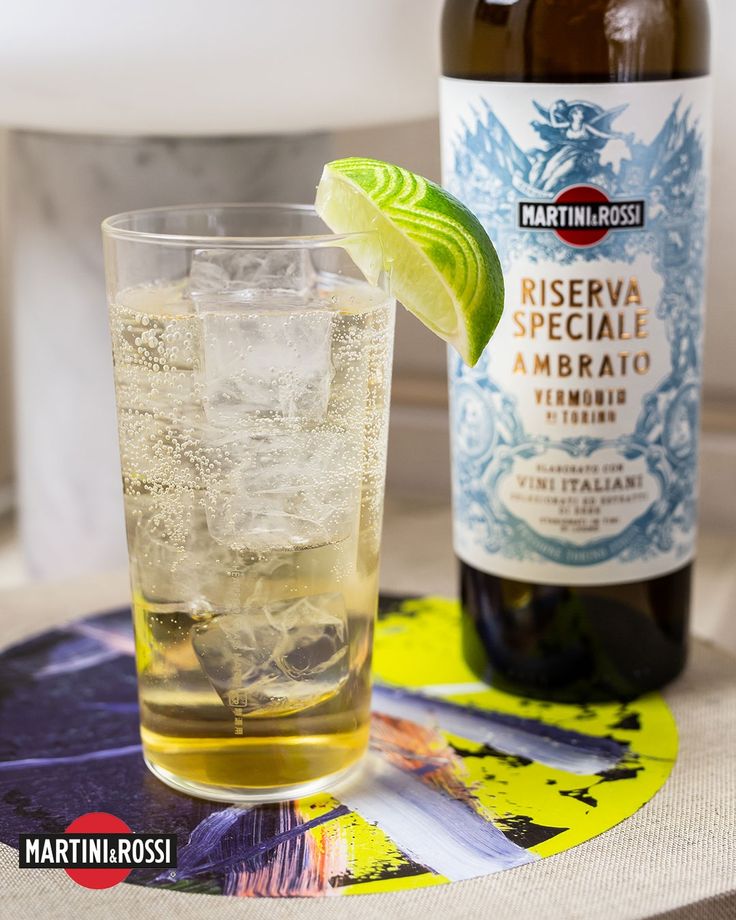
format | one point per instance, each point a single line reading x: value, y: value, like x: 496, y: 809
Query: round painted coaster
x: 461, y: 780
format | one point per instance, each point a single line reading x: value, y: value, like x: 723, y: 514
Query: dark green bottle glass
x: 589, y: 637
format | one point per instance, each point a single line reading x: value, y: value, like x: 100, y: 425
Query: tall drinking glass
x: 252, y: 369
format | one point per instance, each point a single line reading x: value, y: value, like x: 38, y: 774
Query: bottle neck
x: 575, y: 41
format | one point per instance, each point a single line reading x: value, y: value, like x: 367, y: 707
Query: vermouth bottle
x: 577, y: 130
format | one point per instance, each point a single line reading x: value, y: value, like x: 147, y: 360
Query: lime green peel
x: 443, y: 266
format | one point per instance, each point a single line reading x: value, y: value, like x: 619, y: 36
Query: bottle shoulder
x: 575, y: 41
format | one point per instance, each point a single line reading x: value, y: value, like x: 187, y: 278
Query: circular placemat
x: 461, y: 780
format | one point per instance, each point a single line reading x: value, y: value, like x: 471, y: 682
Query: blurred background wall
x: 6, y: 404
x: 418, y: 460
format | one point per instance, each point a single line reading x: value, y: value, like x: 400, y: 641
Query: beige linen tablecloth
x: 673, y: 860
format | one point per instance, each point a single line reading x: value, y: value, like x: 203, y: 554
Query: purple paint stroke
x: 105, y: 754
x: 432, y: 828
x: 66, y: 659
x: 204, y: 839
x: 89, y: 646
x: 121, y: 708
x: 119, y: 640
x: 555, y: 747
x: 235, y: 840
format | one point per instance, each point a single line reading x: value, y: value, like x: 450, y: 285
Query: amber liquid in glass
x: 253, y: 534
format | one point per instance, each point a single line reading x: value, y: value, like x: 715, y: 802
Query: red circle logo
x: 98, y: 822
x: 582, y: 194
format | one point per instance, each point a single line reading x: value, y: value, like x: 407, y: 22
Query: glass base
x: 246, y: 796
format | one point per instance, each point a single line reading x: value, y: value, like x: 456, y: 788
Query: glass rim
x: 114, y: 227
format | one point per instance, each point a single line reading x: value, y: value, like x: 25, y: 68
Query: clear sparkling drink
x: 252, y: 435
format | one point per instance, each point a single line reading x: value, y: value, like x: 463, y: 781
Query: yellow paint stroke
x: 421, y: 645
x: 396, y: 884
x: 370, y: 852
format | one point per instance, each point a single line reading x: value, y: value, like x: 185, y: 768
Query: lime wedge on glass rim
x: 443, y: 266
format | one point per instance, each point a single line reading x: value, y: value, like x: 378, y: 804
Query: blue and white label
x: 574, y: 439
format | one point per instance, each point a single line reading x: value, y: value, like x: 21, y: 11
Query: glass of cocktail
x: 252, y: 368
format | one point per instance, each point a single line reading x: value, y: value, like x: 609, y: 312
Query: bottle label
x: 574, y: 439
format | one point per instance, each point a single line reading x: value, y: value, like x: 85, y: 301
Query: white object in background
x: 182, y: 67
x: 68, y: 470
x: 171, y: 69
x: 720, y: 328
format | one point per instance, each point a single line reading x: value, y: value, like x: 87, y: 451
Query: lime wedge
x: 444, y: 268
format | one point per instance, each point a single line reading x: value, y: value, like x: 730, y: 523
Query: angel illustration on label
x: 578, y: 144
x: 576, y: 132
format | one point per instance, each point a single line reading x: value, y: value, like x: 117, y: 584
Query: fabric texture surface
x: 675, y: 859
x: 721, y: 908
